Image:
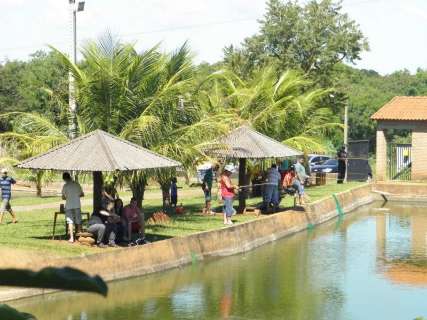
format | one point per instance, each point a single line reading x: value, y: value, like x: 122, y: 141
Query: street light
x: 74, y: 8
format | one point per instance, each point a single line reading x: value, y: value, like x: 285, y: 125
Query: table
x: 55, y: 217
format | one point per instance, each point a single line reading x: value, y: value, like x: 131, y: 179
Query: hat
x: 4, y: 170
x: 229, y: 167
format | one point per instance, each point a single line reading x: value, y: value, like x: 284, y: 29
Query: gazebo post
x: 97, y: 190
x: 242, y: 182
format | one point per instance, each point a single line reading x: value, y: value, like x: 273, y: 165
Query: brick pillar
x: 419, y: 153
x: 381, y: 161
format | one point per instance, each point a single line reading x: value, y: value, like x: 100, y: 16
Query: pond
x: 372, y: 264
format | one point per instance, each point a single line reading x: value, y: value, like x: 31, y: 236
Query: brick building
x: 405, y: 114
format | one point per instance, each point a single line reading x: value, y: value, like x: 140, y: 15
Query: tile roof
x: 403, y: 108
x: 98, y: 151
x: 244, y: 142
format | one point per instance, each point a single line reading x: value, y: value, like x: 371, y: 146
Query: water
x: 372, y: 264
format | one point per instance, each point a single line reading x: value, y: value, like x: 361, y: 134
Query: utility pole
x: 346, y: 139
x: 346, y: 127
x: 74, y: 8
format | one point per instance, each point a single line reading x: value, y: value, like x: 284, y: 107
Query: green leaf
x: 53, y: 278
x: 8, y: 313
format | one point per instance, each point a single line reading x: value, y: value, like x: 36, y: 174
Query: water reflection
x: 322, y: 274
x: 402, y: 244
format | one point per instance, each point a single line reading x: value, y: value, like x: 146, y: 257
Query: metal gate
x: 358, y: 167
x: 399, y: 161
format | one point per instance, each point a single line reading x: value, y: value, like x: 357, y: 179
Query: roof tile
x: 403, y: 108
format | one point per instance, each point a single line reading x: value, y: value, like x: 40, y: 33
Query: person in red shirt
x: 227, y: 193
x: 289, y: 184
x: 133, y: 220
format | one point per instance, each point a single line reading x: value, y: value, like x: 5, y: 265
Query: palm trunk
x: 165, y: 195
x: 39, y: 177
x: 137, y: 185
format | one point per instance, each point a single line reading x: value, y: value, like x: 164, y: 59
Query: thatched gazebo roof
x: 246, y: 143
x: 98, y: 151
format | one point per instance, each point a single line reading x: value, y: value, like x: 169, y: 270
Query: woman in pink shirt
x: 227, y: 193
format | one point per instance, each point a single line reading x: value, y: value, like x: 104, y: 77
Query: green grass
x: 27, y: 199
x: 34, y: 230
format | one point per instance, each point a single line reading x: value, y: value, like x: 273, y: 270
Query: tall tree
x: 145, y: 98
x: 279, y: 106
x: 311, y: 38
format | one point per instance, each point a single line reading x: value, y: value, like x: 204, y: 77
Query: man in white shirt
x: 71, y: 193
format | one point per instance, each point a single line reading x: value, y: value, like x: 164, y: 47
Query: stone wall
x: 419, y: 153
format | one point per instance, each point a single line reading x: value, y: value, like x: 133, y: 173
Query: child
x: 174, y: 192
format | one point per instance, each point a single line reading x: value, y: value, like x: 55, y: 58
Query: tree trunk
x: 39, y: 177
x: 97, y: 191
x: 165, y: 196
x: 137, y: 186
x: 242, y: 182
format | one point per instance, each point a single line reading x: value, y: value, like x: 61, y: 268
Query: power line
x: 169, y: 29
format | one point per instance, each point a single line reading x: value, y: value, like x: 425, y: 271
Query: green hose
x: 338, y: 205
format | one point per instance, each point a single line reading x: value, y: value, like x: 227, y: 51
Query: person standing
x: 71, y: 193
x: 342, y: 164
x: 207, y: 188
x: 174, y: 192
x: 300, y: 179
x: 227, y: 193
x: 271, y: 190
x: 6, y: 194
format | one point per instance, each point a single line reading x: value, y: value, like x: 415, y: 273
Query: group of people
x: 291, y: 181
x: 112, y: 223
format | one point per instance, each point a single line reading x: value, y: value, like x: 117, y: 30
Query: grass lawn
x: 34, y: 230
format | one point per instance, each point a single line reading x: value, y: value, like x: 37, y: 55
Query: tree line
x: 288, y: 81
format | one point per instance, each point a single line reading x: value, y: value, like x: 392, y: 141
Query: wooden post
x: 242, y: 182
x: 97, y: 190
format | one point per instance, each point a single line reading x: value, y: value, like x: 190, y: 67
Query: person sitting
x: 103, y: 224
x: 108, y: 199
x: 118, y: 210
x: 133, y: 221
x: 288, y: 184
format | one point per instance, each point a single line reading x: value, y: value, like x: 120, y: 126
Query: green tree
x: 145, y: 98
x: 30, y: 135
x: 311, y: 38
x: 279, y: 106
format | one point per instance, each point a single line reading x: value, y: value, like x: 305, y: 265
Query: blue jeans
x: 228, y: 206
x: 271, y: 195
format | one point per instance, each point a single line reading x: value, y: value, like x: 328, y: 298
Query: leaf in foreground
x: 53, y: 278
x: 8, y: 313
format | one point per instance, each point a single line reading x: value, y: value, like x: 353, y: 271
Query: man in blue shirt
x: 6, y: 193
x: 271, y: 188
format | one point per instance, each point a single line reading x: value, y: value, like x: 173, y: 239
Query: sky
x: 396, y: 29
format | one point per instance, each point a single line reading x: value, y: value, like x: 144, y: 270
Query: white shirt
x: 72, y: 192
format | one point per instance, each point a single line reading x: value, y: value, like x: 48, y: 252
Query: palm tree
x: 31, y: 135
x: 145, y: 98
x: 278, y: 106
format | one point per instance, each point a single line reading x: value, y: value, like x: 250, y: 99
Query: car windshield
x: 331, y: 162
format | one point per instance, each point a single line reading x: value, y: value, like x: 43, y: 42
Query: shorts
x: 228, y: 206
x: 5, y: 206
x: 73, y: 216
x: 299, y: 186
x: 208, y: 195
